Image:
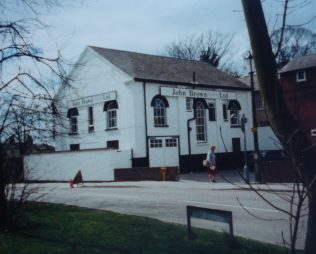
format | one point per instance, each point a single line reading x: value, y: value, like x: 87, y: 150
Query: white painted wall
x: 94, y: 75
x: 267, y: 139
x: 95, y: 165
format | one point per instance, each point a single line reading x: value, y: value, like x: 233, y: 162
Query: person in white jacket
x: 211, y: 158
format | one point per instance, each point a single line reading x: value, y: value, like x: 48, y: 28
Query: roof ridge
x: 152, y: 55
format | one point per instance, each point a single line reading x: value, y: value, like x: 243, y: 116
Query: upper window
x: 234, y: 108
x: 160, y: 104
x: 225, y: 115
x: 234, y: 117
x: 300, y: 76
x: 200, y: 122
x: 189, y: 104
x: 258, y: 101
x: 212, y: 112
x: 72, y: 114
x: 111, y: 116
x: 90, y: 119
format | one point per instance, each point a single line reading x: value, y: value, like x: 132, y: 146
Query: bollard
x: 163, y: 172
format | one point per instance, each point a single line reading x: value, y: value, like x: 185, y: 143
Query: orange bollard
x: 71, y: 183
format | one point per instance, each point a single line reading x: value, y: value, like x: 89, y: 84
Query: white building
x: 163, y: 111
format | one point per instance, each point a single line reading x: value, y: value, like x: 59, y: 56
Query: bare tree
x: 214, y: 48
x: 28, y: 79
x: 291, y: 42
x: 293, y: 138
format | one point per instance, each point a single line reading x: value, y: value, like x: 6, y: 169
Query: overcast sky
x: 146, y: 26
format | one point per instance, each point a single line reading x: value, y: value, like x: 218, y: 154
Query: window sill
x: 73, y: 133
x: 235, y: 126
x: 161, y: 126
x: 111, y: 129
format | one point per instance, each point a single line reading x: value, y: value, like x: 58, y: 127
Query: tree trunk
x: 292, y: 137
x: 3, y: 200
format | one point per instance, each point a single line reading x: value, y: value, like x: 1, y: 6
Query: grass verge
x: 52, y: 228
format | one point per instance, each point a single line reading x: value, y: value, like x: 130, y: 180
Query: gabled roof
x: 166, y: 69
x: 300, y: 63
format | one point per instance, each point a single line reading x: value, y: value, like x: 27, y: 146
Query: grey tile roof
x: 167, y: 69
x: 299, y: 63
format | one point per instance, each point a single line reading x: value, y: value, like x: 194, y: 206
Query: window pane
x: 212, y: 112
x: 90, y: 115
x: 112, y: 120
x: 188, y: 104
x: 171, y: 142
x: 155, y: 143
x: 200, y: 122
x: 225, y: 116
x: 159, y: 113
x: 73, y: 124
x: 234, y: 117
x: 258, y: 101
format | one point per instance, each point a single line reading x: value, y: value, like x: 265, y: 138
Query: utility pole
x: 243, y: 122
x: 254, y: 129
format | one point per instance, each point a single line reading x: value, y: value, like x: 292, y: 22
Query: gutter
x: 189, y: 129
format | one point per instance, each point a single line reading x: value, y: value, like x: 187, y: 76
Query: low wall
x: 95, y: 165
x: 143, y: 174
x: 281, y: 171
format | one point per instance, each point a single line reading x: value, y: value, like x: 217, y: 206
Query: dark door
x: 236, y: 145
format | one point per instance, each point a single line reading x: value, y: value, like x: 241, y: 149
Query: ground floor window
x: 74, y: 147
x: 114, y: 144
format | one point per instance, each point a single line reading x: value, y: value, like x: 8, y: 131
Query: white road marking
x: 233, y: 206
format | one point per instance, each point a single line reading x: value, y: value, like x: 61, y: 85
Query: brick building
x: 298, y: 81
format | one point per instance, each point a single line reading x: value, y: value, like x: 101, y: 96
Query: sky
x: 147, y: 26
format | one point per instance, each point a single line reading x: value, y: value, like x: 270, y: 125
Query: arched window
x: 160, y: 103
x: 200, y: 120
x: 234, y: 108
x: 111, y: 114
x: 72, y: 114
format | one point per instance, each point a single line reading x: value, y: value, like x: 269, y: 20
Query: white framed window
x: 73, y: 125
x: 72, y: 114
x: 258, y: 101
x: 212, y: 111
x: 155, y: 143
x: 160, y: 116
x: 300, y: 76
x: 188, y: 102
x: 234, y: 117
x: 234, y: 109
x: 90, y: 119
x: 171, y: 142
x: 225, y: 113
x: 111, y: 114
x: 200, y: 122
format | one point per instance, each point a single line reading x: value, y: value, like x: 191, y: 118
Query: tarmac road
x: 167, y: 201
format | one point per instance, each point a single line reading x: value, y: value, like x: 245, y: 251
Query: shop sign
x: 91, y: 100
x: 195, y: 93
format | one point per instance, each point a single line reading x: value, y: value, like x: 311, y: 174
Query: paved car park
x: 167, y: 201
